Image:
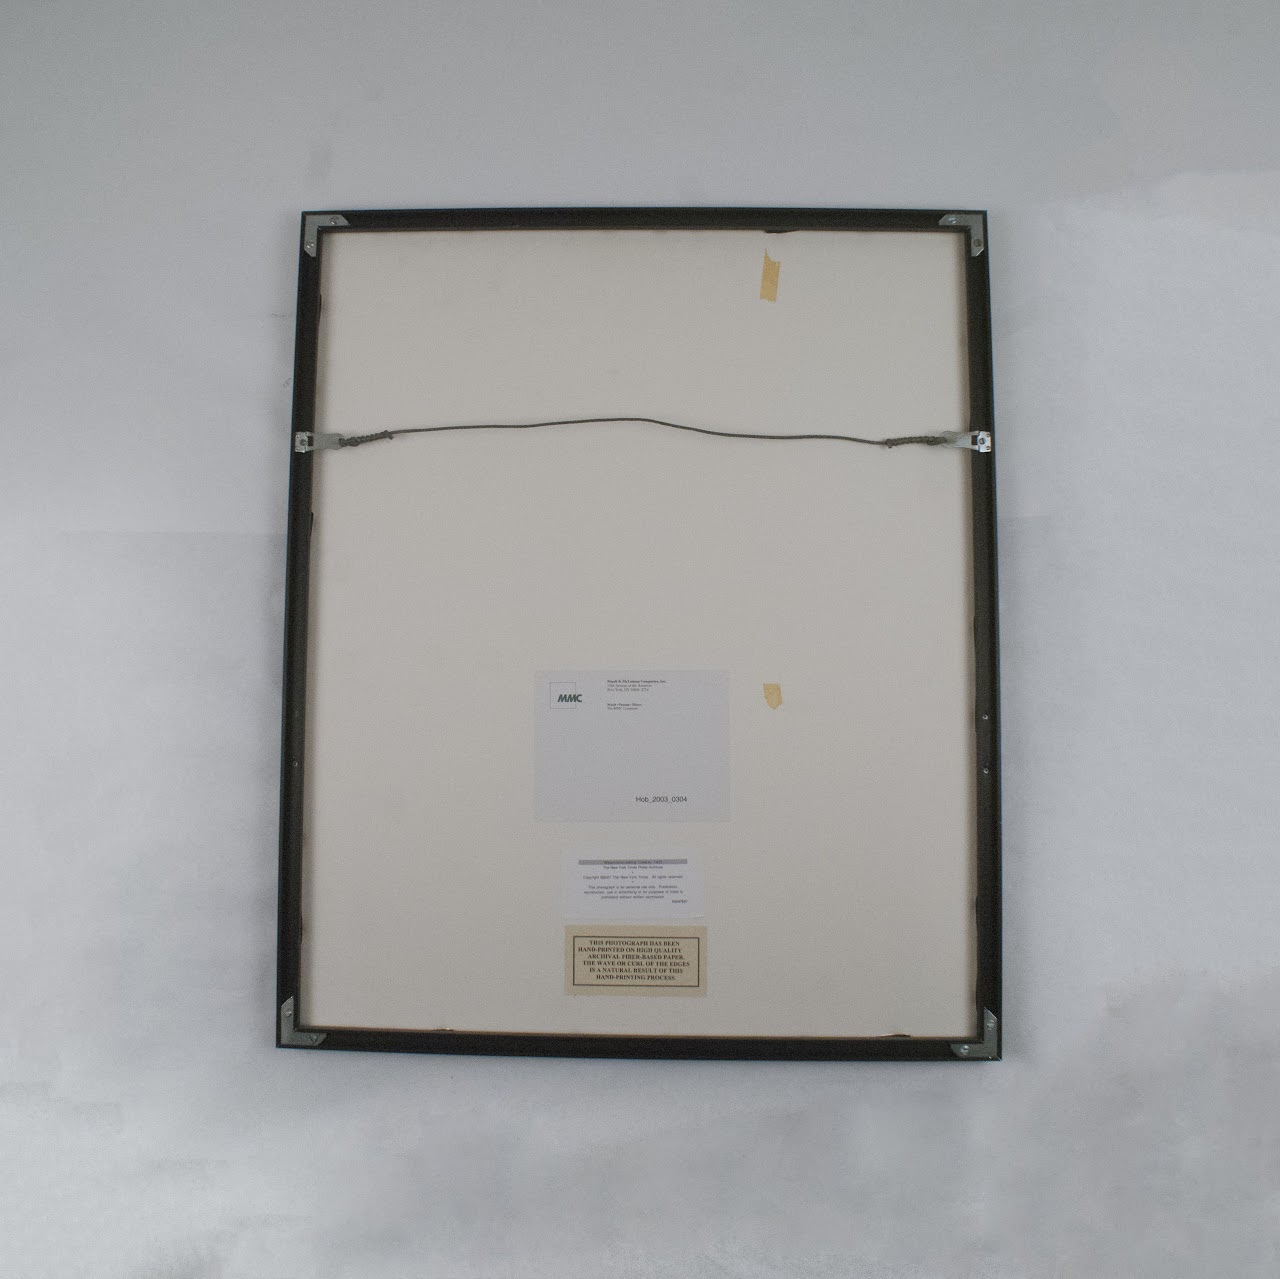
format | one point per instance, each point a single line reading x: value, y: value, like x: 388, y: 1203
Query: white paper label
x: 632, y: 746
x: 633, y: 886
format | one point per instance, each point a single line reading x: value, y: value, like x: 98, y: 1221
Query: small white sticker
x: 633, y: 886
x: 632, y: 746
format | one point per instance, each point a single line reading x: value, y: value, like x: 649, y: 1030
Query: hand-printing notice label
x: 621, y: 959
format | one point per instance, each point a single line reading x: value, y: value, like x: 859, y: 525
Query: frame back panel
x: 446, y: 570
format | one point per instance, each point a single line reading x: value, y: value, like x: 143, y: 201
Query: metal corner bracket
x: 975, y: 223
x: 988, y: 1048
x: 291, y: 1038
x: 311, y: 225
x: 310, y: 441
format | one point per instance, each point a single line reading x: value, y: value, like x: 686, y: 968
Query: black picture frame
x: 316, y: 228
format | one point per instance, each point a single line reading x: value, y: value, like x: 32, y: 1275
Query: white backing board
x: 449, y: 570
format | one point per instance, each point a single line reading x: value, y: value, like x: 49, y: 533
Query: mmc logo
x: 565, y: 694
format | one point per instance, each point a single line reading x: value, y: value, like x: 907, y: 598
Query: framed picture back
x: 640, y: 686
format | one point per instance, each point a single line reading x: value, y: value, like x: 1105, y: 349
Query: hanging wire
x: 940, y: 438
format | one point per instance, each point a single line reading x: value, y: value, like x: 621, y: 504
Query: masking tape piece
x: 769, y: 279
x: 635, y: 959
x: 773, y: 695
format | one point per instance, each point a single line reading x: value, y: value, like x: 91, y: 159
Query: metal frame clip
x: 310, y: 441
x: 978, y: 441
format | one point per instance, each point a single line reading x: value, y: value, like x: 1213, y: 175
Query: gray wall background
x: 155, y: 157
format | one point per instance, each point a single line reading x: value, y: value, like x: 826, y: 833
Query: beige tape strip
x: 769, y: 279
x: 773, y: 695
x: 635, y: 959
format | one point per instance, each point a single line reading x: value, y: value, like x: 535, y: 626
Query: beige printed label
x: 635, y: 959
